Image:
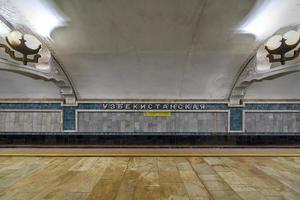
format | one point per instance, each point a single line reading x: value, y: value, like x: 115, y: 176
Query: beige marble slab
x: 149, y: 178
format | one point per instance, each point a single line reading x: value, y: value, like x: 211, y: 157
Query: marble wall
x: 30, y: 121
x: 118, y: 117
x: 137, y: 122
x: 282, y: 122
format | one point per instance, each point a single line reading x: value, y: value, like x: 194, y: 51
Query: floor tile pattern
x: 126, y: 178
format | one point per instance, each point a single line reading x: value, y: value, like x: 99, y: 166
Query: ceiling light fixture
x: 278, y: 46
x: 43, y: 67
x: 24, y: 44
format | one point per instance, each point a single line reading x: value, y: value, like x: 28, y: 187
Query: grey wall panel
x: 137, y: 122
x: 285, y: 87
x: 16, y: 86
x: 272, y: 122
x: 30, y: 121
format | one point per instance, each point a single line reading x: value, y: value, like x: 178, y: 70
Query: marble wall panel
x: 30, y: 121
x: 137, y: 122
x: 282, y: 122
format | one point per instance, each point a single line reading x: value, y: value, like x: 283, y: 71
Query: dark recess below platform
x: 110, y: 140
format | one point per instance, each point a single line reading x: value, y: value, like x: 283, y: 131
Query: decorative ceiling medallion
x: 22, y: 44
x: 278, y: 46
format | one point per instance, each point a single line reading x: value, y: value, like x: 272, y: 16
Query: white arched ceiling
x: 153, y: 49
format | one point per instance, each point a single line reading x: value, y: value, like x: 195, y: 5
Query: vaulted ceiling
x: 157, y: 49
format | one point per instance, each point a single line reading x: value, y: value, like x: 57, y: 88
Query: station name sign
x: 153, y: 106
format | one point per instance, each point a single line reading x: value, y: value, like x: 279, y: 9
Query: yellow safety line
x: 149, y: 155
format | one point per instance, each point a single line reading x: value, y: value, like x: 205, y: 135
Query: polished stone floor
x: 172, y: 178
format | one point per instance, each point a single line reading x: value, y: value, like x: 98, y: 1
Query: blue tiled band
x: 272, y: 106
x: 36, y: 106
x: 69, y: 112
x: 236, y: 119
x: 69, y: 118
x: 153, y: 106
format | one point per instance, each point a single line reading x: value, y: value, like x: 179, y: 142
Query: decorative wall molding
x: 65, y: 86
x: 250, y: 74
x: 57, y: 74
x: 236, y: 114
x: 259, y: 68
x: 239, y: 89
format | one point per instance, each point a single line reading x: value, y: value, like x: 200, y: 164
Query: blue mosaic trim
x: 271, y: 106
x: 236, y: 119
x: 37, y: 106
x: 69, y: 118
x: 153, y: 106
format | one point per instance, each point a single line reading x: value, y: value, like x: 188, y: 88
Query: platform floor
x: 146, y: 178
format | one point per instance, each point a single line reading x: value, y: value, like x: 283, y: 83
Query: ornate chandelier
x: 278, y: 46
x: 22, y: 43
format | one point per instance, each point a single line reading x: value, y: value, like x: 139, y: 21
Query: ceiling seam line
x: 191, y: 47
